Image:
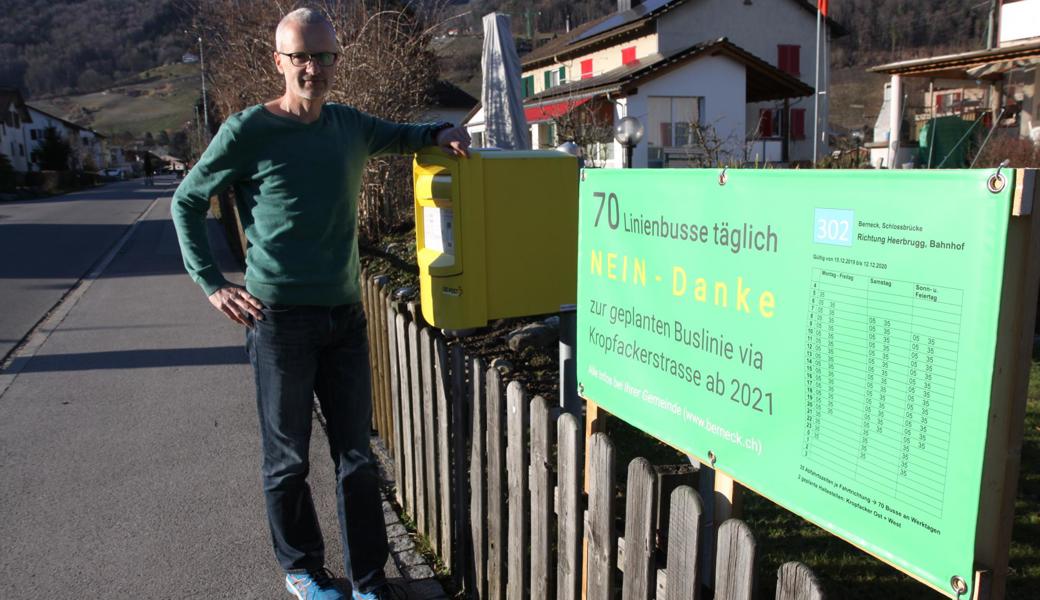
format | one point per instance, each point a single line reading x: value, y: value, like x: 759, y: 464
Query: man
x: 296, y: 164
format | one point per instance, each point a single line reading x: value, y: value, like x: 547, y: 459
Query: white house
x: 87, y: 145
x: 740, y: 72
x: 14, y: 118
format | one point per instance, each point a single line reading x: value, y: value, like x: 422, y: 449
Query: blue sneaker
x: 388, y: 591
x: 315, y: 585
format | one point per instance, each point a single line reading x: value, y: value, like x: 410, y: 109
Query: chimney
x: 623, y: 5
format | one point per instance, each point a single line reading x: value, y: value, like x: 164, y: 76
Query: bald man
x: 295, y: 164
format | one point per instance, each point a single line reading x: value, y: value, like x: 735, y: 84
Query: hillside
x: 158, y: 99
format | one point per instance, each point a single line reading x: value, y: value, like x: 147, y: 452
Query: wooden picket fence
x: 496, y: 483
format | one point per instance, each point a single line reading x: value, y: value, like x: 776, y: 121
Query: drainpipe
x: 991, y: 25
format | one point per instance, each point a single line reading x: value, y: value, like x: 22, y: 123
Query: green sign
x: 827, y: 336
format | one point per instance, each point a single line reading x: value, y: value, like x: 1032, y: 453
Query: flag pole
x: 816, y: 90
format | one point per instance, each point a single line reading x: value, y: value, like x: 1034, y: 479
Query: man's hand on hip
x: 454, y: 140
x: 237, y: 304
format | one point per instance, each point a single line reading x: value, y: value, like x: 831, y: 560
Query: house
x: 709, y: 80
x: 88, y: 152
x: 448, y: 103
x: 1005, y: 99
x: 14, y: 118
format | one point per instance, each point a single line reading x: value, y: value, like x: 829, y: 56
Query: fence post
x: 478, y: 478
x: 395, y: 401
x: 571, y: 521
x: 735, y: 561
x: 542, y: 512
x: 429, y: 428
x: 415, y: 354
x: 387, y: 425
x: 496, y: 498
x: 517, y: 556
x: 640, y: 538
x: 445, y: 435
x: 407, y: 482
x: 795, y: 581
x: 684, y: 521
x: 602, y: 542
x: 462, y: 533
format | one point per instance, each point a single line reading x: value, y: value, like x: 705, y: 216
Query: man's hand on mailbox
x: 454, y: 140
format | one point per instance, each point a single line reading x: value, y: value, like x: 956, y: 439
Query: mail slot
x: 496, y: 234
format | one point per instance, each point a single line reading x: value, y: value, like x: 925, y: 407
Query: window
x: 789, y: 59
x: 528, y: 86
x: 947, y: 102
x: 673, y: 121
x: 797, y: 123
x: 586, y: 69
x: 765, y: 123
x: 33, y: 133
x: 555, y: 77
x: 21, y: 150
x: 628, y: 55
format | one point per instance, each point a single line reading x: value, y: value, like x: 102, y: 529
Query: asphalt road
x: 47, y: 245
x: 129, y: 452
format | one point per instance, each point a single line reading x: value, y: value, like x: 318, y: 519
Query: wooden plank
x: 543, y: 571
x: 442, y: 379
x: 602, y: 541
x: 379, y: 390
x: 795, y: 581
x: 735, y: 561
x: 418, y: 448
x: 595, y: 422
x: 432, y: 508
x: 571, y: 529
x: 461, y: 534
x: 1003, y: 454
x: 640, y: 538
x: 366, y: 309
x: 729, y: 497
x: 387, y: 356
x: 684, y: 536
x: 517, y: 554
x: 478, y: 478
x: 395, y: 399
x: 407, y: 482
x: 496, y: 497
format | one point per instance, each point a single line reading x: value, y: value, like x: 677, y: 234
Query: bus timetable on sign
x: 828, y: 337
x: 880, y: 374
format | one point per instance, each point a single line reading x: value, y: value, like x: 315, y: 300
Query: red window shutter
x: 797, y: 123
x: 765, y: 122
x: 666, y: 134
x: 789, y: 58
x: 586, y: 68
x: 628, y: 55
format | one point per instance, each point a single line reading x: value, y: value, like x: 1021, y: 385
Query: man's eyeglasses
x: 300, y: 59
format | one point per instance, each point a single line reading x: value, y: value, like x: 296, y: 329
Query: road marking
x: 20, y: 356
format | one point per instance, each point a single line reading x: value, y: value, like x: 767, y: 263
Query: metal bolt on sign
x: 960, y: 587
x: 712, y: 458
x: 722, y: 176
x: 997, y: 181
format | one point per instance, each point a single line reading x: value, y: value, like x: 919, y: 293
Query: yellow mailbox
x: 496, y: 234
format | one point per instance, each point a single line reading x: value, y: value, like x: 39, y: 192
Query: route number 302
x: 833, y: 227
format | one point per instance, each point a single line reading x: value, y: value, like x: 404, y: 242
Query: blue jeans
x: 298, y: 352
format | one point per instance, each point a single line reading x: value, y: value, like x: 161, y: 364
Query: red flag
x: 822, y: 6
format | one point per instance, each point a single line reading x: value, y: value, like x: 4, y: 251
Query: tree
x: 54, y: 151
x: 7, y: 177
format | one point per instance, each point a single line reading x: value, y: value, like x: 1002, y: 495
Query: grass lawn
x: 154, y: 100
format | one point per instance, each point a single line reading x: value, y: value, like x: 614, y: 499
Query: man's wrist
x: 438, y: 127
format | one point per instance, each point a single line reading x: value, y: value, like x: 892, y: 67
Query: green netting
x: 951, y: 142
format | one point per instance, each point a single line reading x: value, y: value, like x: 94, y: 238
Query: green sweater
x: 296, y: 186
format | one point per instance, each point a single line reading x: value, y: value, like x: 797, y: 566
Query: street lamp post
x: 628, y: 132
x: 205, y: 104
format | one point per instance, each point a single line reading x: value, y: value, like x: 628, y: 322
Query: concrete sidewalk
x: 129, y: 452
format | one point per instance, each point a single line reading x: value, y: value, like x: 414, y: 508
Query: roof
x: 448, y: 95
x: 7, y: 97
x: 635, y: 22
x: 960, y: 66
x: 65, y: 121
x: 764, y: 81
